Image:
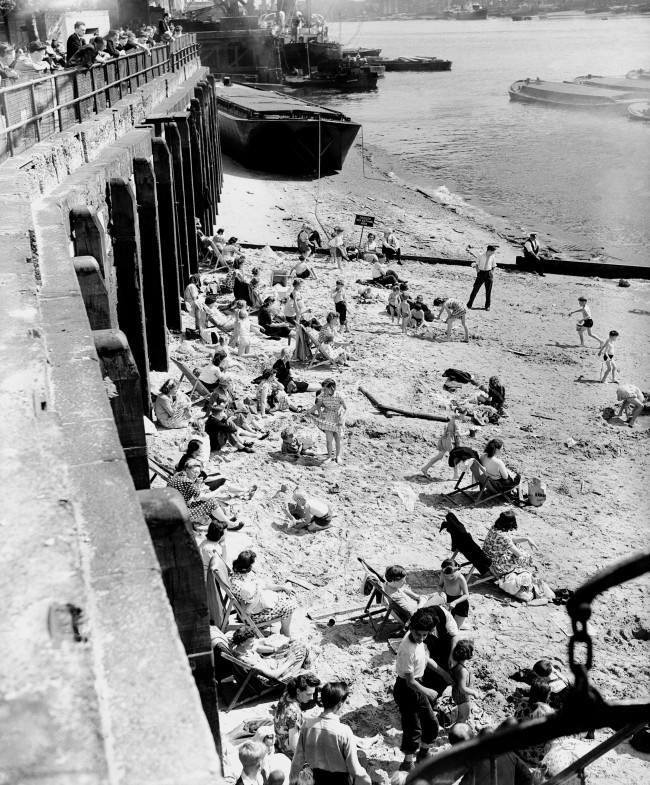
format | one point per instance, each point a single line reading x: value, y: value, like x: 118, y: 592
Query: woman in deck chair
x: 199, y: 499
x: 516, y: 575
x: 261, y: 599
x: 172, y: 408
x: 275, y: 656
x: 499, y: 478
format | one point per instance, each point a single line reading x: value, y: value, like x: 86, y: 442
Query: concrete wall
x: 95, y: 685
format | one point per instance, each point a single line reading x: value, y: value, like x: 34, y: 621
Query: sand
x: 596, y: 510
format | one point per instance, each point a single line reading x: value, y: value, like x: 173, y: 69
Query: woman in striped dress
x: 456, y: 311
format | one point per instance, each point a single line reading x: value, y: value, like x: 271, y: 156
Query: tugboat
x: 343, y: 75
x: 279, y: 133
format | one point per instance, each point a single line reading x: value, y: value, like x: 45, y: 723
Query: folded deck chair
x: 158, y: 469
x: 463, y: 542
x: 231, y: 606
x: 378, y: 595
x: 198, y: 388
x: 251, y: 684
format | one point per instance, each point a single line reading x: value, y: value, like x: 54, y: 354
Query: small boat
x: 276, y: 132
x: 412, y: 63
x: 339, y: 75
x: 568, y: 95
x: 639, y: 111
x: 361, y: 52
x: 615, y: 83
x: 477, y: 11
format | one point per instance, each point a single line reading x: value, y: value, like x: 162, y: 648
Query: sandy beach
x: 595, y: 472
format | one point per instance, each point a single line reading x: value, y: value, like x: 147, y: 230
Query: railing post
x: 10, y: 140
x: 37, y: 122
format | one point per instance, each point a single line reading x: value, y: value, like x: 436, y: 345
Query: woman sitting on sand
x: 329, y: 416
x: 327, y: 340
x: 172, y: 407
x: 495, y: 395
x: 199, y: 499
x: 262, y: 600
x: 513, y: 567
x: 282, y: 368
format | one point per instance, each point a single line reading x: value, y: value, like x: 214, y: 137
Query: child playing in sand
x: 456, y: 311
x: 462, y: 692
x: 607, y: 350
x: 393, y: 303
x: 449, y: 439
x: 405, y: 314
x: 291, y: 445
x: 417, y: 316
x: 454, y: 587
x: 340, y: 305
x: 586, y: 322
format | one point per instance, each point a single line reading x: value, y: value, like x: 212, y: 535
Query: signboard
x: 364, y: 220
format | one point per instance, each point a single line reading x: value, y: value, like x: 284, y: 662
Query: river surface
x: 580, y: 178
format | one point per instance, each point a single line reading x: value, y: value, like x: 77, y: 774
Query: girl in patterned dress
x: 262, y: 600
x: 329, y: 416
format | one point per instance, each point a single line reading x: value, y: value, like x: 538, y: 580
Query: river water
x: 580, y: 178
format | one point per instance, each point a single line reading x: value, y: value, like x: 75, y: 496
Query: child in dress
x: 462, y: 692
x: 242, y: 332
x: 449, y: 439
x: 340, y: 305
x: 607, y: 350
x: 393, y: 303
x: 586, y: 322
x: 454, y: 587
x: 405, y: 314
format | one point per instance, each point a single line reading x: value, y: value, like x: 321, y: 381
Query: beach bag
x: 455, y: 375
x: 536, y: 492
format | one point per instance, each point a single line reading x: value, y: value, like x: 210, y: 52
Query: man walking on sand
x: 485, y: 266
x: 531, y: 255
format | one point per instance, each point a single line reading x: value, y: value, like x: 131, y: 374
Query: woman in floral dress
x: 329, y: 416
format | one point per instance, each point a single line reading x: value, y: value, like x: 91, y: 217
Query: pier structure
x: 106, y: 671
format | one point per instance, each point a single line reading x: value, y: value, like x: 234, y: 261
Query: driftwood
x: 389, y: 410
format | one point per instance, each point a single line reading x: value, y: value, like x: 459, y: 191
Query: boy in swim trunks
x: 454, y: 587
x: 607, y: 350
x: 586, y: 322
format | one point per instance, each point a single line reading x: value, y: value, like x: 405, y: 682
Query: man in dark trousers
x: 485, y: 266
x: 76, y: 40
x: 531, y: 254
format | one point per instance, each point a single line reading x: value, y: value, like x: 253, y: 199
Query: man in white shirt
x: 485, y: 266
x: 415, y: 701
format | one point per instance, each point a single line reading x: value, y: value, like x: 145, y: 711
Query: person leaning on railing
x: 89, y: 54
x: 8, y: 73
x: 32, y: 63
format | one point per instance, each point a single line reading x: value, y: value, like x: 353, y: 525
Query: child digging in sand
x: 461, y: 692
x: 456, y: 311
x: 454, y: 586
x: 586, y: 322
x: 607, y: 350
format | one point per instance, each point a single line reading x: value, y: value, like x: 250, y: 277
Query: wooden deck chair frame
x: 232, y: 605
x: 471, y: 572
x: 379, y: 596
x: 317, y: 358
x: 157, y: 469
x: 251, y: 673
x: 480, y: 486
x: 198, y: 388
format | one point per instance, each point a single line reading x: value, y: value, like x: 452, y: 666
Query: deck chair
x: 230, y: 606
x: 198, y: 388
x: 479, y: 490
x: 378, y: 595
x: 463, y: 542
x: 251, y: 684
x: 158, y: 469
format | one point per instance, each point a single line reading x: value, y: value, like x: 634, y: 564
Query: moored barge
x: 568, y: 95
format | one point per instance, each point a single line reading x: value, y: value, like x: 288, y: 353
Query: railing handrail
x: 164, y: 58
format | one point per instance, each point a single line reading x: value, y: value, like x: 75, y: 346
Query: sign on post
x: 363, y: 221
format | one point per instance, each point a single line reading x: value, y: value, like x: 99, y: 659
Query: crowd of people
x: 434, y: 658
x: 38, y: 58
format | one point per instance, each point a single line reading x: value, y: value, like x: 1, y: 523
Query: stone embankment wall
x: 98, y: 574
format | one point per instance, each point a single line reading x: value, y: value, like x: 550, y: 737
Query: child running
x: 449, y: 439
x: 607, y: 350
x: 454, y: 587
x: 340, y: 305
x: 394, y: 300
x: 462, y: 692
x: 586, y: 322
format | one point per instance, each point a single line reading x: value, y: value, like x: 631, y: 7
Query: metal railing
x: 32, y: 110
